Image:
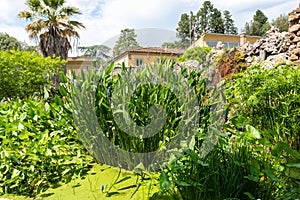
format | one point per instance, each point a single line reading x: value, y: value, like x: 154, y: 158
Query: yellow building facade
x: 78, y: 64
x: 229, y: 41
x: 149, y: 55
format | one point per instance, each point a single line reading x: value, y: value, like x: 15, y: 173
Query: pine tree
x: 281, y: 23
x: 229, y: 27
x: 127, y: 41
x: 259, y: 25
x: 203, y: 18
x: 184, y: 28
x: 216, y: 23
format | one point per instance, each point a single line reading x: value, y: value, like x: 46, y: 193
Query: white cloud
x: 9, y: 11
x: 242, y: 11
x: 105, y: 18
x: 17, y: 32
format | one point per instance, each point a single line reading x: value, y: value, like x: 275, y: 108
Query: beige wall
x: 129, y: 59
x: 121, y: 60
x: 78, y: 64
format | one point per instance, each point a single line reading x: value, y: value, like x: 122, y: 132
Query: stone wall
x: 277, y: 46
x: 294, y: 30
x: 272, y: 47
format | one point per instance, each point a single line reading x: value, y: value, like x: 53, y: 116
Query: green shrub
x: 8, y: 42
x: 39, y: 147
x: 197, y: 53
x: 23, y: 74
x: 269, y: 99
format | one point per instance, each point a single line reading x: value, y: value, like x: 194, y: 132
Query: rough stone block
x: 293, y: 57
x: 294, y: 17
x: 295, y: 28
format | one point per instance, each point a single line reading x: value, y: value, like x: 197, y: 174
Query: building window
x: 211, y: 43
x: 228, y: 45
x: 139, y: 62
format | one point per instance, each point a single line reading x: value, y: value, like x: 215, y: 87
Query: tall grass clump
x: 139, y: 105
x: 234, y: 169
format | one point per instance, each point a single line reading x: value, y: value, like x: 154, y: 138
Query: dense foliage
x: 269, y: 98
x: 257, y: 156
x: 233, y: 169
x: 197, y: 53
x: 230, y: 62
x: 140, y: 102
x: 248, y: 163
x: 39, y: 147
x: 9, y: 43
x: 23, y: 74
x: 281, y: 22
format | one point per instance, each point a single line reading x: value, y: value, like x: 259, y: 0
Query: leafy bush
x: 23, y: 74
x: 39, y: 147
x: 197, y: 53
x: 269, y: 99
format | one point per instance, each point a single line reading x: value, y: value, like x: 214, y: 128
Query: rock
x: 292, y: 47
x: 293, y: 17
x: 219, y: 49
x: 220, y: 46
x: 296, y: 51
x: 191, y: 64
x: 277, y: 58
x: 275, y: 46
x: 293, y: 57
x: 294, y: 28
x: 295, y: 11
x: 296, y: 39
x: 262, y: 55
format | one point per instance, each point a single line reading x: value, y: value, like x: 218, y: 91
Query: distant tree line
x: 209, y: 19
x: 259, y: 25
x: 8, y: 42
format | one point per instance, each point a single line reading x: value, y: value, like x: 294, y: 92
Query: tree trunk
x: 55, y: 46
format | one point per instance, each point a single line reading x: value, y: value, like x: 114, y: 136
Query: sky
x: 155, y: 21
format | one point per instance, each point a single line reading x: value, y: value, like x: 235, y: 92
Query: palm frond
x: 47, y: 2
x: 76, y: 24
x: 27, y: 15
x: 69, y: 11
x: 34, y: 28
x: 34, y: 5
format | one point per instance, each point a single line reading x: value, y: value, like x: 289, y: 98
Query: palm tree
x: 51, y: 26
